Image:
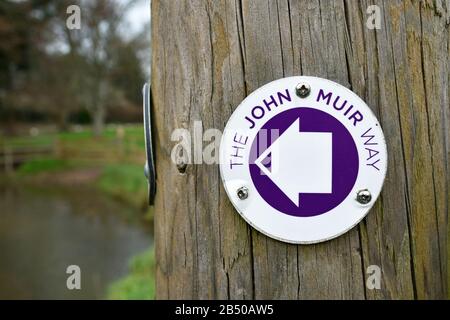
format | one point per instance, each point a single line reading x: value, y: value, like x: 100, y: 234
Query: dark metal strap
x: 149, y: 169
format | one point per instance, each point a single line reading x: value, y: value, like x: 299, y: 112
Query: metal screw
x: 364, y: 196
x: 303, y: 89
x: 242, y: 193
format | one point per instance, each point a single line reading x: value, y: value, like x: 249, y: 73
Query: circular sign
x: 303, y: 159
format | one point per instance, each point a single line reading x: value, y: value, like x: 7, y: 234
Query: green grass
x: 43, y: 165
x: 133, y: 135
x: 118, y: 155
x: 120, y: 160
x: 41, y: 140
x: 140, y: 283
x: 125, y: 182
x: 75, y: 135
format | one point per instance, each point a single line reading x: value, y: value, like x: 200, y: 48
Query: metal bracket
x: 149, y: 168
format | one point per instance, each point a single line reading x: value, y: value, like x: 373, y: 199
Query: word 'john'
x: 273, y: 101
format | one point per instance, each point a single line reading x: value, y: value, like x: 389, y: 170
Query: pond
x: 44, y: 231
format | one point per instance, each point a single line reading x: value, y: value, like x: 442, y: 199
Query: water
x: 42, y: 232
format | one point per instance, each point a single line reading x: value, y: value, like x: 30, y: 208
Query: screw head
x: 303, y: 89
x: 242, y: 193
x: 364, y: 196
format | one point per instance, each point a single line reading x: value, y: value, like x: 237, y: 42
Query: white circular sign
x: 303, y: 159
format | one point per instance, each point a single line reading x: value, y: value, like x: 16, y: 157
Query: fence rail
x: 13, y: 156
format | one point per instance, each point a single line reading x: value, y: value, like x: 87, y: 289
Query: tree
x: 106, y: 53
x: 67, y: 70
x: 20, y: 32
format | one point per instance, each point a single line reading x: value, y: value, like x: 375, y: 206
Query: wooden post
x: 209, y: 55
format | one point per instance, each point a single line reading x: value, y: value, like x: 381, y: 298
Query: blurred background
x: 72, y: 189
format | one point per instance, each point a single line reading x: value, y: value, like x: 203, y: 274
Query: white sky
x: 138, y: 15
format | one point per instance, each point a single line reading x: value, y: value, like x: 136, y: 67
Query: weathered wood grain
x: 209, y: 55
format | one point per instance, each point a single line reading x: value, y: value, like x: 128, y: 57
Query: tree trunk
x: 98, y: 121
x: 218, y: 52
x: 99, y: 108
x: 63, y: 124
